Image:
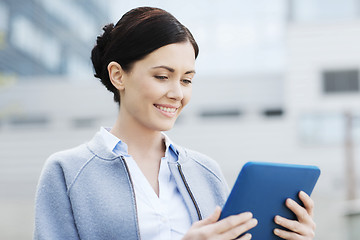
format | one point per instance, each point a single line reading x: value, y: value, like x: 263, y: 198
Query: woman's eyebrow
x: 191, y: 71
x: 166, y: 67
x: 172, y: 70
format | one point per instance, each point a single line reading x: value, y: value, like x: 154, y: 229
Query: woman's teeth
x: 166, y: 109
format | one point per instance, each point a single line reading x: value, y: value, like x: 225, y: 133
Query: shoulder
x: 204, y: 174
x: 73, y: 160
x: 202, y: 160
x: 67, y: 164
x: 72, y: 156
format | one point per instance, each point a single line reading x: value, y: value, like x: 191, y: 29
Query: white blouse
x: 161, y: 218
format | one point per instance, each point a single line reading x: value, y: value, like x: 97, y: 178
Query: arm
x: 53, y: 214
x: 304, y: 227
x: 228, y: 228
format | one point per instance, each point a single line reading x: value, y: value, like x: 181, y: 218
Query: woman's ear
x: 116, y: 75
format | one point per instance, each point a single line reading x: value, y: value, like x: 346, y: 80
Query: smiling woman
x: 138, y: 33
x: 131, y: 181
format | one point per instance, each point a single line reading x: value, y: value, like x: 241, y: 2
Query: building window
x: 32, y: 40
x: 4, y: 21
x: 29, y: 120
x: 327, y: 128
x: 227, y: 113
x: 341, y: 81
x: 273, y: 112
x: 84, y: 122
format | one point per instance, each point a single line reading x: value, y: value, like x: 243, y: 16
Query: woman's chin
x: 166, y: 127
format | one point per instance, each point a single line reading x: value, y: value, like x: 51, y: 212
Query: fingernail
x: 248, y: 215
x: 276, y: 231
x: 254, y: 221
x: 248, y: 236
x: 290, y: 201
x: 277, y: 219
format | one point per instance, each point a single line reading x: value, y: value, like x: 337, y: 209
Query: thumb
x: 212, y: 218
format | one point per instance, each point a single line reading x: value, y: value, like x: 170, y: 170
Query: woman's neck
x: 140, y: 140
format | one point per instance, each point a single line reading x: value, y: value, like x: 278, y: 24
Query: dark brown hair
x: 138, y: 33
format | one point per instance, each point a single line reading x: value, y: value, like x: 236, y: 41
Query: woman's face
x: 159, y: 86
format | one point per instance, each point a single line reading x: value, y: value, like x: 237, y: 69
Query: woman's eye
x: 161, y: 77
x: 187, y: 81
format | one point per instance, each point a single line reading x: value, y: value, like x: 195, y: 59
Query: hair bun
x: 102, y: 40
x: 97, y: 54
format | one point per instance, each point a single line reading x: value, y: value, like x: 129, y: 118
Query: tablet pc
x: 262, y: 189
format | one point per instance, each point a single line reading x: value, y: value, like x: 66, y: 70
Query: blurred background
x: 276, y: 81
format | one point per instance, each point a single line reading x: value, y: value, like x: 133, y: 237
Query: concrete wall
x: 315, y: 47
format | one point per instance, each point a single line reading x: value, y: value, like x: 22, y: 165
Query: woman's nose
x: 175, y: 91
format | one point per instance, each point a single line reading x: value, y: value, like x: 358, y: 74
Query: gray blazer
x: 87, y: 193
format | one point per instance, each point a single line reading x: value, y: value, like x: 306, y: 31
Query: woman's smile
x: 167, y: 110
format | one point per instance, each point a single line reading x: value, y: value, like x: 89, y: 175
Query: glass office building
x: 48, y: 37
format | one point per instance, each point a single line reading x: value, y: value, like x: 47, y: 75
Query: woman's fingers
x: 233, y: 221
x: 308, y: 203
x: 292, y: 225
x: 304, y: 226
x: 247, y: 236
x: 240, y: 229
x: 287, y: 235
x: 227, y: 228
x: 300, y: 212
x: 310, y: 234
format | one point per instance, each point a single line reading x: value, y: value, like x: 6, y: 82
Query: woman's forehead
x: 172, y: 57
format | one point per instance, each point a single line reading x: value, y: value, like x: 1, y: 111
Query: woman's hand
x: 304, y: 227
x: 228, y: 228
